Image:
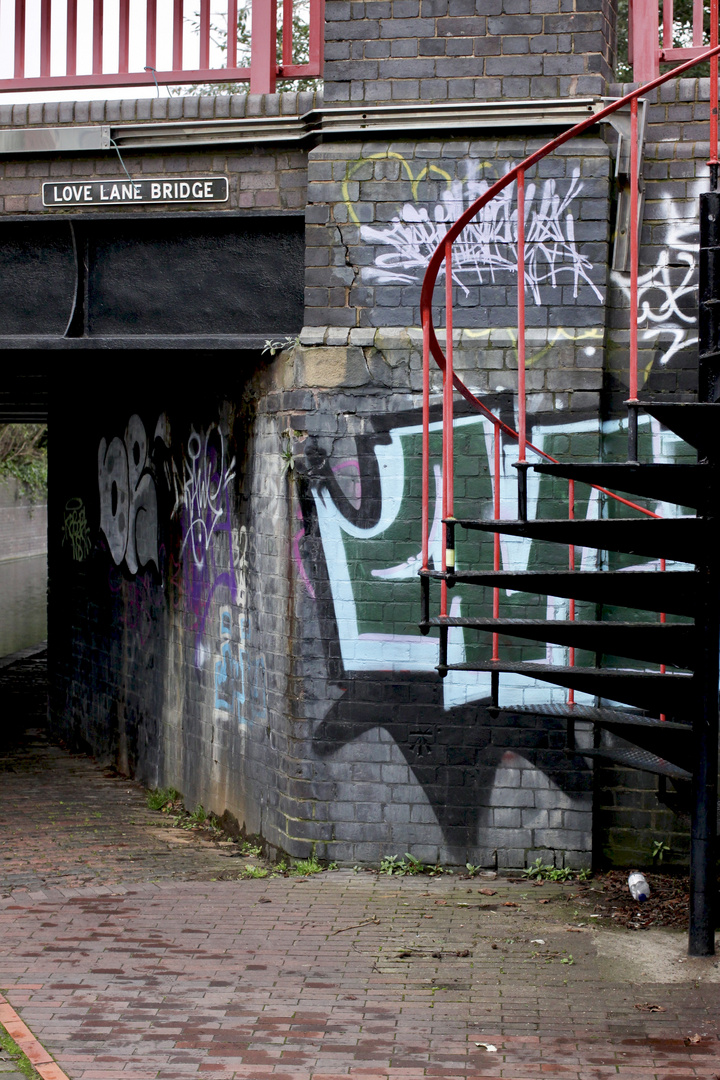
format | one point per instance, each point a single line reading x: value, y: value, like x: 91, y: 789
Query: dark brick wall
x: 261, y: 178
x: 438, y: 50
x: 362, y: 751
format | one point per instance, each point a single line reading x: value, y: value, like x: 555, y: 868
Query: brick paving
x: 136, y: 963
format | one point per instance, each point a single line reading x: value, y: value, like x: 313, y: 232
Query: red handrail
x: 444, y: 360
x: 107, y: 46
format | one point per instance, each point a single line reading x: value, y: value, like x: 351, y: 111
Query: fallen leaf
x: 487, y: 892
x: 264, y: 900
x: 646, y: 1006
x: 493, y: 946
x: 692, y: 1040
x: 437, y: 955
x: 404, y: 956
x: 574, y: 930
x: 540, y: 881
x: 427, y: 916
x: 489, y: 1047
x: 441, y: 902
x: 463, y: 952
x: 509, y: 903
x: 544, y: 901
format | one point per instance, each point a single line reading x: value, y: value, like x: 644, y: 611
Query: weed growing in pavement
x: 304, y: 867
x: 20, y: 1062
x: 198, y: 817
x: 472, y: 870
x: 546, y: 872
x: 248, y: 848
x: 659, y: 849
x: 409, y: 866
x: 250, y: 871
x: 162, y: 798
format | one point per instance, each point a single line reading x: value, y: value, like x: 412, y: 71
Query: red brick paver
x: 251, y: 979
x: 127, y: 960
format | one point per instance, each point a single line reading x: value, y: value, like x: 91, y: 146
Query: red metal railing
x: 444, y: 360
x: 53, y: 51
x: 645, y: 49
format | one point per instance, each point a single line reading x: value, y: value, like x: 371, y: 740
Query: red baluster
x: 426, y: 441
x: 19, y: 39
x: 98, y: 17
x: 178, y: 34
x: 522, y: 432
x: 124, y: 36
x: 45, y: 31
x: 204, y: 35
x: 287, y: 33
x: 633, y: 378
x: 232, y: 22
x: 71, y: 45
x: 496, y: 536
x: 151, y: 35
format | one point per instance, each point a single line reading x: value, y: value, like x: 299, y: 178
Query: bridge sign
x: 191, y: 189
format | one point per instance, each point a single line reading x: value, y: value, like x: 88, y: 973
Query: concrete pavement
x: 130, y: 958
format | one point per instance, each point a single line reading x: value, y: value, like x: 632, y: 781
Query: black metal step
x: 659, y: 643
x: 610, y: 718
x: 622, y: 588
x: 685, y: 485
x: 634, y: 758
x: 694, y: 421
x: 671, y: 694
x: 682, y: 539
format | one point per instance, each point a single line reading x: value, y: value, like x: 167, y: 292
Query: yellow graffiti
x: 560, y: 334
x: 353, y: 166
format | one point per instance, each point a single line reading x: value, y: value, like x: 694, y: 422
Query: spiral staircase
x: 661, y: 718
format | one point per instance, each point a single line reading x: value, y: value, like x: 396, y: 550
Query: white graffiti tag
x: 204, y: 493
x: 128, y: 498
x: 663, y: 310
x: 488, y: 245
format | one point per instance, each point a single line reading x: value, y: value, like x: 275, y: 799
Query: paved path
x: 135, y: 963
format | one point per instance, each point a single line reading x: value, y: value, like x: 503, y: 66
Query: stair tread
x: 671, y: 693
x: 683, y: 484
x: 624, y: 588
x: 595, y: 715
x: 670, y: 629
x: 677, y: 538
x: 652, y: 642
x: 635, y: 758
x: 694, y: 421
x: 529, y: 667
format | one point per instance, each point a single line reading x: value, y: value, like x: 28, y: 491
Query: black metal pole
x: 703, y: 831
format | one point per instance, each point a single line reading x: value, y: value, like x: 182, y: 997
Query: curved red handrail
x: 443, y: 250
x: 452, y: 382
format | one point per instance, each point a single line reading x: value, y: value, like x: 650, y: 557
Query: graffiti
x: 128, y: 498
x: 667, y: 292
x: 200, y: 492
x: 76, y: 531
x: 488, y: 244
x: 205, y: 490
x: 240, y: 678
x: 421, y: 741
x: 141, y: 609
x: 375, y: 594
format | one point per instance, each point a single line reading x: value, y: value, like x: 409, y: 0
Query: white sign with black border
x: 190, y: 189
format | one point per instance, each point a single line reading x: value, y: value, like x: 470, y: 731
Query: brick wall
x: 438, y: 50
x: 345, y: 741
x: 261, y: 178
